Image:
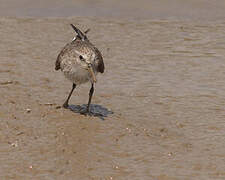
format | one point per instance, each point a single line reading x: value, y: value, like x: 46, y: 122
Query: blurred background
x: 163, y: 9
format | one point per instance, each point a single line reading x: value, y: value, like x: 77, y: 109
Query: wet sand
x: 162, y: 94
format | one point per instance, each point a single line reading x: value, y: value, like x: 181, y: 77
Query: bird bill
x: 90, y: 69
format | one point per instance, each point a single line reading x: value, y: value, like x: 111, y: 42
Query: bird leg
x: 65, y: 105
x: 90, y: 96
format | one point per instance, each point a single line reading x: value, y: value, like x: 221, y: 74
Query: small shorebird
x: 80, y: 61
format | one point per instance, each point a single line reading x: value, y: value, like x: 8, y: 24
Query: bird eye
x: 81, y: 58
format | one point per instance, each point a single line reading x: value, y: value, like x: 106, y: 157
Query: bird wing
x: 57, y: 62
x: 61, y: 54
x: 100, y: 66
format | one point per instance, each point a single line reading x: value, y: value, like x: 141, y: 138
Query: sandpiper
x: 80, y: 61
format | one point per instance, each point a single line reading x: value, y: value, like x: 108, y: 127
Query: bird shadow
x: 95, y: 110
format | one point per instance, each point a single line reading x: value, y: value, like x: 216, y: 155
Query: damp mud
x: 158, y: 111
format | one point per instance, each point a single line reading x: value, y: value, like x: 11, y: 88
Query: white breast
x: 77, y: 75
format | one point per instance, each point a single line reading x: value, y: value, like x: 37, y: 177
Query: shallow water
x: 162, y: 94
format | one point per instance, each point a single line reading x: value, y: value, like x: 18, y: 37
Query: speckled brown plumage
x: 80, y: 61
x: 78, y: 44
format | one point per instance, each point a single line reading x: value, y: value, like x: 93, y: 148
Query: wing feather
x: 101, y: 66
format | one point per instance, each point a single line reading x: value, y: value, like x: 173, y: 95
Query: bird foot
x: 65, y: 105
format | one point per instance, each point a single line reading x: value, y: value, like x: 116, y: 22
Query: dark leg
x: 90, y: 96
x: 65, y: 105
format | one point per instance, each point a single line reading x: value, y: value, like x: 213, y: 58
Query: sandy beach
x: 161, y: 100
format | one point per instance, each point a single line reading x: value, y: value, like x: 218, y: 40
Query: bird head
x: 86, y: 58
x: 86, y: 55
